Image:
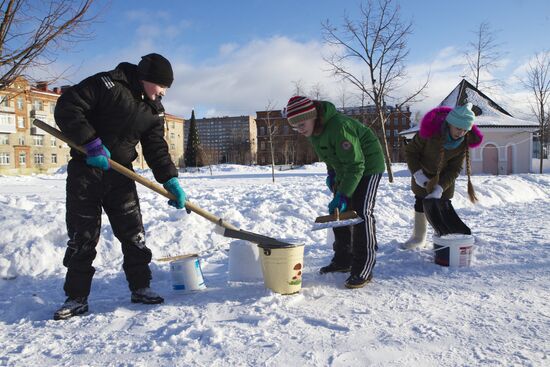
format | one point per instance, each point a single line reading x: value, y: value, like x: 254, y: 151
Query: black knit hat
x: 156, y: 69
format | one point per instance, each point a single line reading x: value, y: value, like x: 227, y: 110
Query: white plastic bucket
x: 244, y: 262
x: 282, y: 267
x: 453, y: 250
x: 186, y: 274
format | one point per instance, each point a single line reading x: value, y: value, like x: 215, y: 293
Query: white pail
x: 282, y: 267
x: 244, y: 262
x: 454, y: 250
x: 187, y: 274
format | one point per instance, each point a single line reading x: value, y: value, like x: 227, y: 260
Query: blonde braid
x: 471, y: 191
x: 435, y: 180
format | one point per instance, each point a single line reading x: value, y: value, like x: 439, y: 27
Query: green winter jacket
x: 348, y: 147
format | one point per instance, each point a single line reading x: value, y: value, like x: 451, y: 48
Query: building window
x: 172, y: 136
x: 52, y: 142
x: 54, y: 158
x: 22, y: 158
x: 38, y: 105
x: 38, y: 140
x: 7, y: 119
x: 4, y: 139
x: 52, y: 107
x: 4, y: 159
x: 172, y: 147
x: 5, y: 101
x: 20, y: 122
x: 20, y: 103
x: 38, y: 158
x: 21, y: 140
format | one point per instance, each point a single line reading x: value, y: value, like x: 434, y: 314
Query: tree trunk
x: 385, y: 146
x: 541, y: 142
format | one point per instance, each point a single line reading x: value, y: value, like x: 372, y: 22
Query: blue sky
x: 236, y: 57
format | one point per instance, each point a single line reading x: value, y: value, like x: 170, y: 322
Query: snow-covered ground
x: 415, y: 313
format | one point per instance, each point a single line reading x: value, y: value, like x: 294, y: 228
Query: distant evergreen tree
x: 192, y: 158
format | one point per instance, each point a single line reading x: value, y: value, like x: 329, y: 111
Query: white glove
x: 420, y: 178
x: 436, y: 194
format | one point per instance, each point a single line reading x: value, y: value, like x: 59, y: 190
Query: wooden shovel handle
x: 135, y: 177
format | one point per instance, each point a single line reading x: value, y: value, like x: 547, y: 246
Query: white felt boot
x: 418, y: 238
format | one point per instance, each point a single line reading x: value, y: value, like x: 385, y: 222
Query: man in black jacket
x: 109, y: 113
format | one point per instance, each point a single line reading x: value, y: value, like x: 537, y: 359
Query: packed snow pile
x: 414, y: 313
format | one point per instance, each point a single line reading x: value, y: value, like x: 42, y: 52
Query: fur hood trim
x: 432, y: 122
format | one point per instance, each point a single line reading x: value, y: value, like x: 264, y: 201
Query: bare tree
x: 272, y: 129
x: 538, y: 82
x: 482, y: 55
x: 316, y: 92
x: 379, y: 40
x: 31, y: 32
x: 342, y: 96
x: 205, y: 157
x: 298, y: 89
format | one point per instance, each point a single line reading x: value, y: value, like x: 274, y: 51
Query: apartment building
x: 398, y: 119
x: 228, y: 139
x: 26, y: 149
x: 289, y: 147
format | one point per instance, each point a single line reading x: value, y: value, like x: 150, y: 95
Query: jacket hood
x: 329, y: 110
x: 127, y: 73
x: 433, y: 121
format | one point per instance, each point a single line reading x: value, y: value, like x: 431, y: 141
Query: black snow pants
x: 356, y: 245
x: 88, y: 191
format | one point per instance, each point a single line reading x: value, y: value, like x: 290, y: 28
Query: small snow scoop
x: 227, y: 229
x: 442, y: 217
x: 347, y: 218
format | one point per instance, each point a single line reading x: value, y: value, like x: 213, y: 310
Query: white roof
x: 491, y: 116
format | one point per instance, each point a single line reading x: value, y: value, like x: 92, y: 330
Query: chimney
x: 56, y: 90
x: 42, y: 86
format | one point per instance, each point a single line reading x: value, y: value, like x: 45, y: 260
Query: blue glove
x: 97, y: 154
x: 173, y: 186
x: 340, y: 202
x: 331, y: 179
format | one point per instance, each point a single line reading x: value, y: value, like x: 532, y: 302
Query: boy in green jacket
x: 355, y: 164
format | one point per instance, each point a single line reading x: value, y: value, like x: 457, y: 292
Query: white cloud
x: 243, y: 79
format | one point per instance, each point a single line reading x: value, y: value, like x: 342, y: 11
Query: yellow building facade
x: 26, y: 149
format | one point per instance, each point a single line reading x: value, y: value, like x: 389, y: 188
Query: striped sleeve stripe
x: 108, y: 82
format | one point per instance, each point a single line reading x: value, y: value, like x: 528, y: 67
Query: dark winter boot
x: 146, y: 296
x: 72, y: 307
x: 334, y: 267
x: 355, y: 281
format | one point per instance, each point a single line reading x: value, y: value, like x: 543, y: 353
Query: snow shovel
x: 443, y: 218
x: 347, y: 218
x: 227, y: 229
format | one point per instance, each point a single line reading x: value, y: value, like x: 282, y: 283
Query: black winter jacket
x: 112, y: 106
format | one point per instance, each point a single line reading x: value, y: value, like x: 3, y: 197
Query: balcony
x: 41, y: 115
x: 7, y: 109
x: 7, y: 123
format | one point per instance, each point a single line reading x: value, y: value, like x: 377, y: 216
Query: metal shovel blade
x: 256, y: 238
x: 443, y: 218
x: 345, y: 219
